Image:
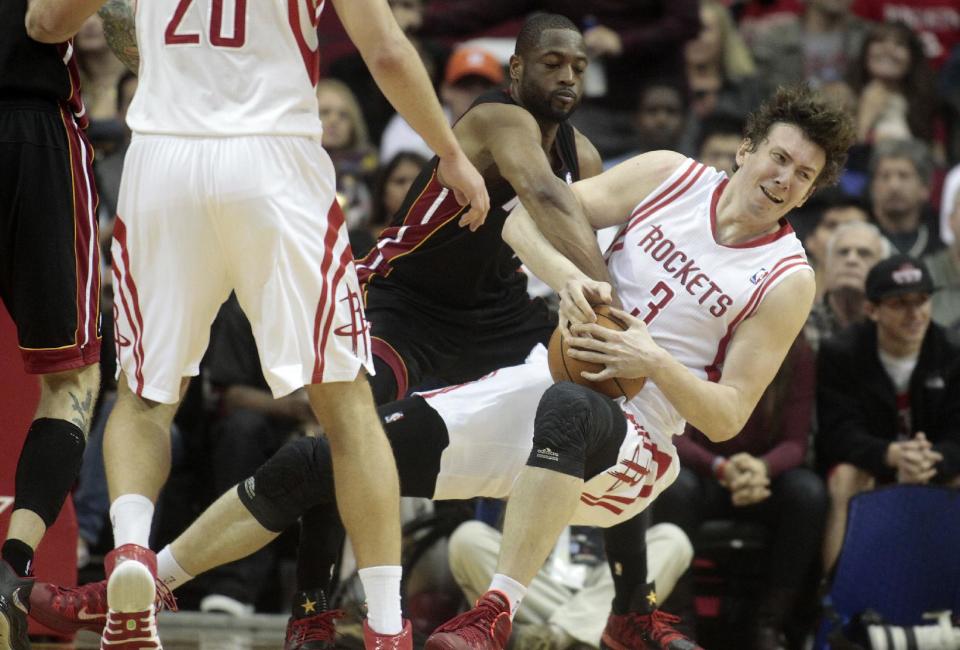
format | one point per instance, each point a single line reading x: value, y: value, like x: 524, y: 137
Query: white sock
x: 169, y: 571
x: 131, y: 515
x: 381, y: 584
x: 511, y: 588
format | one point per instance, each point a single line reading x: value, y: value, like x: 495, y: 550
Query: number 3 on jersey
x: 176, y: 35
x: 662, y: 294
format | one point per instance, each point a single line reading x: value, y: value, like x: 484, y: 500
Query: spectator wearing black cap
x: 888, y: 395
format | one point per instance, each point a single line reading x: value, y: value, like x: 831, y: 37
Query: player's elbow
x: 43, y: 28
x: 548, y: 198
x: 721, y: 433
x: 724, y: 425
x: 512, y: 230
x: 389, y: 55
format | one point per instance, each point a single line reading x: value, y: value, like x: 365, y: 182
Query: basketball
x: 566, y: 368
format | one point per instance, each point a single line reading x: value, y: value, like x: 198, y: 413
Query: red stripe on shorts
x: 324, y: 318
x: 126, y: 282
x: 87, y: 249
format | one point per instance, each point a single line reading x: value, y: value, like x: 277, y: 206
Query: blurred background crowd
x: 867, y: 397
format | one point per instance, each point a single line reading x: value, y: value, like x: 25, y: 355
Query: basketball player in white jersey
x: 226, y: 187
x: 715, y: 287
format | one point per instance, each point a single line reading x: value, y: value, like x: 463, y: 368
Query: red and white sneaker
x: 486, y: 627
x: 131, y: 593
x: 71, y: 609
x: 373, y: 640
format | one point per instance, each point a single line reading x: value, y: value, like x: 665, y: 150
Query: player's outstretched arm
x: 398, y: 71
x: 510, y: 135
x: 55, y: 21
x: 577, y: 291
x: 615, y: 191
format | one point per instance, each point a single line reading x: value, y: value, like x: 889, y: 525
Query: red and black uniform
x: 49, y: 257
x: 446, y: 303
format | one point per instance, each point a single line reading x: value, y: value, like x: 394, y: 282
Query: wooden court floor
x: 197, y: 631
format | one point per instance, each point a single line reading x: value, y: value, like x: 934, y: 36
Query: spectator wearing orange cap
x: 470, y: 72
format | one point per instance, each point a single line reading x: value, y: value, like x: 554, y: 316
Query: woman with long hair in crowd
x: 894, y: 85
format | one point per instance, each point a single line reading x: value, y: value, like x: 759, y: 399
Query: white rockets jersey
x: 227, y: 67
x: 690, y: 290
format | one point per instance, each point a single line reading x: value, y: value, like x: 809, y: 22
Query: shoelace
x: 474, y: 625
x: 165, y: 598
x: 661, y: 626
x: 70, y: 600
x: 319, y: 627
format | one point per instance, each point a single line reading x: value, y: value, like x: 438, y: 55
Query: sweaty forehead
x: 566, y: 41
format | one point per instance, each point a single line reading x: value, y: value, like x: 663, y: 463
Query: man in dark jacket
x: 888, y: 395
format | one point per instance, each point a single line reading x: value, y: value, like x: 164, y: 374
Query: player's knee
x: 296, y: 478
x: 562, y: 430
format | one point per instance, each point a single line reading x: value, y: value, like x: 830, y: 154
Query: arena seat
x: 899, y: 558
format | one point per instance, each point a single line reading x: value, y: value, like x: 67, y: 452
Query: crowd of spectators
x: 869, y: 393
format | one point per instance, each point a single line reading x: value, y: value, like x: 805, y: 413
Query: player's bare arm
x: 119, y: 28
x: 605, y: 200
x: 609, y: 199
x: 55, y: 21
x: 398, y: 71
x: 577, y: 291
x: 509, y: 137
x: 756, y: 352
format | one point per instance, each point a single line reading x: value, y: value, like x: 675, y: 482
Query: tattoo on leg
x: 82, y: 409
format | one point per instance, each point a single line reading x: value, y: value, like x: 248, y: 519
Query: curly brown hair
x: 823, y: 123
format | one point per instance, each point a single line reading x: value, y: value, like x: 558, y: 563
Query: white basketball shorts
x: 490, y: 424
x: 199, y: 217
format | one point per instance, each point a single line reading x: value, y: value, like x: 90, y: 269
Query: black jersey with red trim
x: 29, y: 69
x: 427, y: 256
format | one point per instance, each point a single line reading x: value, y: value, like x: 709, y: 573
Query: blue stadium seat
x: 900, y: 556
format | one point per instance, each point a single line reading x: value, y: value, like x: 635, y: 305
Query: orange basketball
x: 565, y: 368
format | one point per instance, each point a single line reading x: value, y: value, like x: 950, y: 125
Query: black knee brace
x: 48, y: 466
x: 577, y: 431
x: 296, y: 478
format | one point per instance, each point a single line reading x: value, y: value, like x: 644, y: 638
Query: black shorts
x: 49, y: 253
x: 417, y: 343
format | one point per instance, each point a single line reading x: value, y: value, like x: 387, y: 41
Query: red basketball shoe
x: 485, y: 627
x: 131, y: 593
x: 311, y: 626
x: 71, y: 609
x: 648, y: 631
x: 375, y: 641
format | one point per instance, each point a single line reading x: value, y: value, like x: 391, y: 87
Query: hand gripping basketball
x: 563, y: 367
